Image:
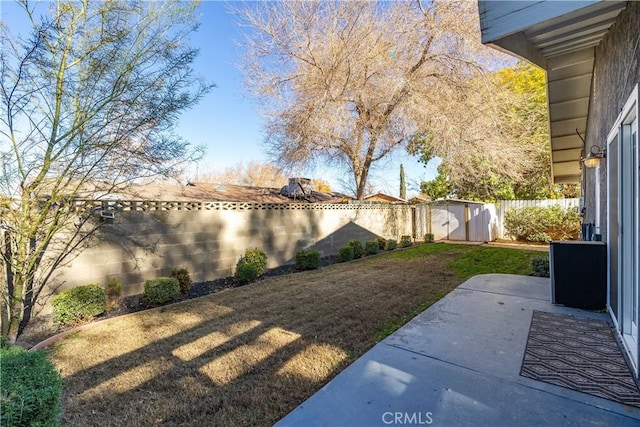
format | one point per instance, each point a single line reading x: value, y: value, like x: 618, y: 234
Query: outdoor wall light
x: 593, y: 159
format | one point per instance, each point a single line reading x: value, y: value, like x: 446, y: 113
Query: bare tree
x: 254, y: 174
x: 504, y: 151
x: 89, y: 103
x: 349, y: 82
x: 468, y: 135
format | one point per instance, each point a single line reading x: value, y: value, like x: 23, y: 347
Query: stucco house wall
x: 591, y: 52
x: 616, y: 72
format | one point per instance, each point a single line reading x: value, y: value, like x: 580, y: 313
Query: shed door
x: 457, y: 222
x: 440, y: 222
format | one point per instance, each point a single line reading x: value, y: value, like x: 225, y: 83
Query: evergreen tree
x: 403, y: 184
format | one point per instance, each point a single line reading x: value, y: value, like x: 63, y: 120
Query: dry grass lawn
x: 249, y: 355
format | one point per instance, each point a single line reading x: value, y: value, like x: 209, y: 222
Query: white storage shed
x: 461, y: 220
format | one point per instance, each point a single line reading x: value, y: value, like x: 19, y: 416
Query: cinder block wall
x: 144, y: 245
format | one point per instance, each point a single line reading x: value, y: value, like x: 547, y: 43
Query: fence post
x: 414, y: 226
x: 466, y: 222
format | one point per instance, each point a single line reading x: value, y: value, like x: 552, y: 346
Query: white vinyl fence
x: 505, y: 205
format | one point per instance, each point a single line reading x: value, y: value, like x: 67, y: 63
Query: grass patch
x: 249, y: 355
x: 420, y: 251
x: 483, y: 260
x: 467, y: 261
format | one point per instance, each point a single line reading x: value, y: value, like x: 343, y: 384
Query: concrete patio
x: 458, y: 363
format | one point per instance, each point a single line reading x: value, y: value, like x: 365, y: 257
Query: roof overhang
x: 560, y: 37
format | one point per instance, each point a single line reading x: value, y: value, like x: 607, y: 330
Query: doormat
x: 580, y: 354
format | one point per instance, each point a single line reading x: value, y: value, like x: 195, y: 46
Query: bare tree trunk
x: 15, y: 309
x: 366, y: 166
x: 28, y: 299
x: 6, y: 302
x: 362, y: 183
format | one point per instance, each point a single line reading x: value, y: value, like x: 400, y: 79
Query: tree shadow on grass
x: 242, y: 357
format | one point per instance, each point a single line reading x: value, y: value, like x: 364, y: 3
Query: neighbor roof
x: 200, y: 191
x: 385, y: 198
x: 456, y: 201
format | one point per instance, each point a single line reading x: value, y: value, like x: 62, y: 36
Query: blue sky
x: 227, y: 121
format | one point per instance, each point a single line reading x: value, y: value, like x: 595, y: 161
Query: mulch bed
x: 42, y: 328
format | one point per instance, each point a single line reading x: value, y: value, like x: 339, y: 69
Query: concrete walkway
x: 458, y: 363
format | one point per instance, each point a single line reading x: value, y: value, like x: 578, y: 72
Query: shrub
x: 358, y: 250
x: 371, y: 247
x: 428, y: 238
x: 345, y: 254
x: 308, y: 259
x: 538, y: 224
x: 246, y: 272
x: 391, y: 244
x: 113, y: 292
x: 184, y: 279
x: 31, y: 388
x: 382, y: 243
x: 251, y: 265
x: 406, y: 241
x: 160, y: 291
x: 79, y: 305
x: 540, y: 266
x: 258, y: 258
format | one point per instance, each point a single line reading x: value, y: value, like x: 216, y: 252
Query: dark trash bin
x: 578, y: 271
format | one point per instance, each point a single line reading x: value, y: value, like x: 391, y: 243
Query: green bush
x: 308, y: 259
x: 79, y: 305
x: 406, y: 241
x: 113, y: 291
x: 358, y: 250
x: 31, y: 388
x: 428, y: 238
x: 537, y: 224
x: 246, y: 272
x: 540, y: 266
x: 382, y: 243
x: 345, y: 254
x: 391, y: 244
x: 258, y: 258
x: 251, y: 265
x: 371, y: 247
x: 184, y: 279
x: 160, y: 291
